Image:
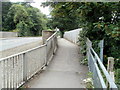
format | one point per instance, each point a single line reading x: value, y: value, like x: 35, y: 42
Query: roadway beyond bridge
x: 10, y: 46
x: 64, y: 71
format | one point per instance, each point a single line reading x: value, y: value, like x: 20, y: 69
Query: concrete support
x: 46, y: 34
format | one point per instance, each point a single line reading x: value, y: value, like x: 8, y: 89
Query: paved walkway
x: 64, y: 71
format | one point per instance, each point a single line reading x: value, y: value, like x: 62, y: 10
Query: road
x: 15, y: 42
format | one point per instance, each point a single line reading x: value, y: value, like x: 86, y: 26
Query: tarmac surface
x: 10, y: 46
x: 8, y: 43
x: 64, y: 71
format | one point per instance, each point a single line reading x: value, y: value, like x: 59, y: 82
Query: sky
x: 37, y: 3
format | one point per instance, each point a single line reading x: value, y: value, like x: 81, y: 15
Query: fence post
x: 110, y: 67
x: 24, y: 67
x: 89, y: 45
x: 101, y: 45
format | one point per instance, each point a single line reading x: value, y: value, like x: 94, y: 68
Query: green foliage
x: 89, y: 83
x: 29, y: 21
x: 23, y: 29
x: 117, y: 74
x: 101, y: 21
x: 63, y: 15
x: 5, y: 10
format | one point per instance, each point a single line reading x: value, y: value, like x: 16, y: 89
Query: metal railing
x: 16, y: 69
x: 98, y: 69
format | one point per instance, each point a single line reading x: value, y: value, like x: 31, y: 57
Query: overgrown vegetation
x: 102, y: 21
x: 89, y: 81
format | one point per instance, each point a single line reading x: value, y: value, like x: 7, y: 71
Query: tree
x: 62, y: 15
x: 38, y: 20
x: 5, y: 9
x: 27, y: 20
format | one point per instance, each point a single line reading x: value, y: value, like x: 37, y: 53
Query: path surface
x: 64, y: 71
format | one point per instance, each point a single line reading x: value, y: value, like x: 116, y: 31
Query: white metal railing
x: 72, y: 35
x: 98, y: 69
x: 18, y: 68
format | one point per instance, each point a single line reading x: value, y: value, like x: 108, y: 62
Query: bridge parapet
x: 16, y: 69
x: 72, y: 35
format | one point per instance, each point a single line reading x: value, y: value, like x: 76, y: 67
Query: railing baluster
x: 18, y: 68
x: 1, y: 75
x: 24, y: 67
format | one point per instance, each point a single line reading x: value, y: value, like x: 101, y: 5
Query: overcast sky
x: 36, y: 3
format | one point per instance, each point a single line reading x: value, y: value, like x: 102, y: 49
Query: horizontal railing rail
x: 16, y: 69
x: 98, y: 69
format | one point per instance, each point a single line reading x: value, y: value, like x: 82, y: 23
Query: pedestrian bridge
x: 55, y: 64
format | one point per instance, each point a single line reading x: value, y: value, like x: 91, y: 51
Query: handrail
x: 29, y: 49
x: 16, y: 69
x: 22, y: 52
x: 93, y: 62
x: 99, y: 73
x: 51, y: 36
x: 108, y: 77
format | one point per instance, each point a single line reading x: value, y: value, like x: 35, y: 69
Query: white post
x: 110, y: 67
x: 101, y: 45
x: 24, y: 67
x: 89, y: 45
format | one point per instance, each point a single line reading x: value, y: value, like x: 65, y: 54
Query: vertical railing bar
x: 4, y: 74
x: 19, y: 64
x: 13, y: 72
x: 21, y: 68
x: 21, y: 80
x: 7, y: 76
x: 24, y: 67
x: 1, y: 75
x: 17, y: 71
x: 10, y: 72
x: 46, y: 59
x: 15, y: 64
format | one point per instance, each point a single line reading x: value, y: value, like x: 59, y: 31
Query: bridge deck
x: 64, y: 71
